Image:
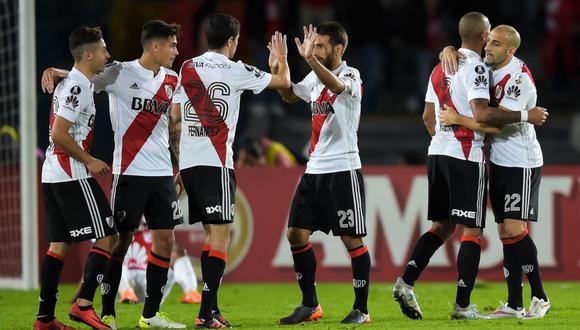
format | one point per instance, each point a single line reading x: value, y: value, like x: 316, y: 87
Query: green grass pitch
x: 258, y: 306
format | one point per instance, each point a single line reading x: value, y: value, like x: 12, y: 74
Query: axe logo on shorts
x: 463, y: 213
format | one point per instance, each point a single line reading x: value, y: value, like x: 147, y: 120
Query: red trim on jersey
x: 319, y: 119
x: 527, y: 71
x: 501, y: 84
x: 209, y: 116
x: 142, y: 126
x: 441, y: 87
x: 62, y: 157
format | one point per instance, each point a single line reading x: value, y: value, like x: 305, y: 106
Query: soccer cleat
x: 110, y: 321
x: 356, y: 317
x: 191, y: 297
x: 538, y: 309
x: 468, y: 313
x: 220, y: 317
x: 302, y: 314
x: 405, y: 296
x: 504, y: 311
x: 128, y: 296
x: 88, y: 317
x: 52, y: 325
x: 161, y: 321
x: 209, y: 324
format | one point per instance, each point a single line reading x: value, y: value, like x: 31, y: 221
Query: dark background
x: 394, y: 44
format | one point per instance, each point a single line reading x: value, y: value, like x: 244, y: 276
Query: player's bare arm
x: 449, y: 58
x: 174, y: 126
x: 490, y: 116
x: 429, y: 117
x: 61, y: 137
x: 306, y: 49
x: 279, y: 54
x: 450, y: 116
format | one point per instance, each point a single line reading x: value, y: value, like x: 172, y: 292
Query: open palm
x: 306, y: 47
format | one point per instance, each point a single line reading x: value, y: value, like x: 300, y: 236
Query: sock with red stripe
x: 110, y: 285
x: 361, y: 268
x: 97, y: 264
x: 513, y: 269
x: 216, y: 263
x: 156, y: 276
x: 467, y: 268
x: 425, y: 248
x: 305, y: 270
x: 49, y: 279
x: 530, y: 267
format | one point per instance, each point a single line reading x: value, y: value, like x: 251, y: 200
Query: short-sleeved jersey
x: 335, y: 121
x: 209, y: 93
x: 516, y: 145
x: 138, y: 104
x: 469, y: 83
x: 73, y: 101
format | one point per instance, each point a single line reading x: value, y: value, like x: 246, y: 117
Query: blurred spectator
x: 558, y: 49
x: 264, y: 152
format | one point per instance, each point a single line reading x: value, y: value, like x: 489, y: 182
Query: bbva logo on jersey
x: 322, y: 108
x: 150, y: 105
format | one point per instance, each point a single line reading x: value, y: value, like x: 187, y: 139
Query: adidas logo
x: 532, y: 211
x: 134, y: 86
x: 481, y: 80
x: 513, y: 91
x: 412, y: 263
x: 205, y: 288
x: 461, y: 283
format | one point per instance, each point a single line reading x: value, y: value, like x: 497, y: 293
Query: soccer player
x: 140, y: 95
x: 515, y: 172
x: 132, y: 287
x: 206, y: 111
x: 456, y: 169
x: 75, y: 206
x: 330, y: 195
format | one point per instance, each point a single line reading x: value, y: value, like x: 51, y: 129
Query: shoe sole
x: 315, y: 319
x: 405, y: 308
x: 79, y: 320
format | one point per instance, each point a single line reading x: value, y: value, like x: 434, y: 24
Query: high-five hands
x: 306, y: 47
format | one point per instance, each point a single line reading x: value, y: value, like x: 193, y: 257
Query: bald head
x: 472, y: 25
x: 508, y: 34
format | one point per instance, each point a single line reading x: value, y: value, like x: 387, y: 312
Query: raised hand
x: 306, y: 47
x: 278, y: 50
x: 272, y: 60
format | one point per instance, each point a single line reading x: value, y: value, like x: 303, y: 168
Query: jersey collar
x: 508, y: 68
x: 469, y: 53
x: 340, y: 68
x: 146, y: 72
x: 215, y: 55
x: 79, y: 77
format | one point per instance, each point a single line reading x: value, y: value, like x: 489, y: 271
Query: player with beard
x: 330, y: 195
x: 515, y: 171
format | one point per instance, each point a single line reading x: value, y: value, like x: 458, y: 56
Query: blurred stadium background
x: 394, y: 44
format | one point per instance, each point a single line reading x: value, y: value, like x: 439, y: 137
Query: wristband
x: 524, y: 117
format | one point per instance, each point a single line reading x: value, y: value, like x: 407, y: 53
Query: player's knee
x: 59, y: 248
x: 297, y: 237
x: 443, y: 229
x: 467, y: 231
x: 511, y: 228
x: 163, y: 241
x: 351, y: 242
